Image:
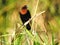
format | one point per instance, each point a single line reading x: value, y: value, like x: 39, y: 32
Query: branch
x: 29, y: 21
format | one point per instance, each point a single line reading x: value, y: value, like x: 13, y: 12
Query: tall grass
x: 36, y: 36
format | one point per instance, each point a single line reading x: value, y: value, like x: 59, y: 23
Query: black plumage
x: 25, y: 18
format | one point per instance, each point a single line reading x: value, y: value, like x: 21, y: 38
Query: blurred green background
x: 49, y: 21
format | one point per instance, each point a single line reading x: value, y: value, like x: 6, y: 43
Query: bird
x: 25, y: 16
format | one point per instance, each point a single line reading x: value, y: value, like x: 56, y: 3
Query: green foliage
x: 8, y: 9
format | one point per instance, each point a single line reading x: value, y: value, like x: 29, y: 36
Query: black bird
x: 25, y: 16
